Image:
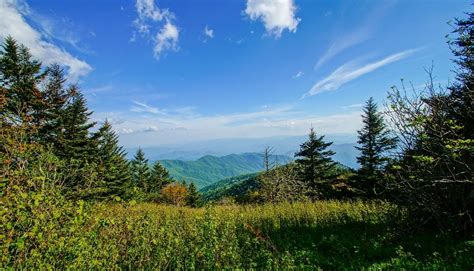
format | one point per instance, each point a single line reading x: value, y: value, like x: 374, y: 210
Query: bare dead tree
x: 267, y: 156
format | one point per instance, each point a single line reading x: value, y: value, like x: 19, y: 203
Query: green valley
x: 209, y: 169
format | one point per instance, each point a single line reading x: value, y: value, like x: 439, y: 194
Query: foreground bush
x: 41, y: 233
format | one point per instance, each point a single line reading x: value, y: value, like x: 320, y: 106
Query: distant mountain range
x: 210, y: 169
x: 220, y: 147
x: 207, y: 162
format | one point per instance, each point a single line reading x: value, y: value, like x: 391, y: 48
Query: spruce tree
x: 20, y: 75
x: 77, y: 147
x: 140, y: 170
x: 112, y: 166
x: 74, y: 139
x: 461, y: 96
x: 56, y: 96
x: 375, y: 141
x: 316, y: 165
x: 159, y: 178
x: 193, y: 197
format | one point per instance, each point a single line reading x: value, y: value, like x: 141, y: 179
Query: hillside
x: 209, y: 169
x: 233, y: 186
x: 238, y: 186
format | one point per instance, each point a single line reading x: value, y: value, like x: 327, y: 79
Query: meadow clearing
x: 324, y: 234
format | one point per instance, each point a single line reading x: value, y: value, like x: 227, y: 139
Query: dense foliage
x: 329, y: 235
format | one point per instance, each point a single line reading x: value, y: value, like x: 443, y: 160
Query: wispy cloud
x: 63, y: 29
x: 349, y: 72
x: 276, y: 15
x: 151, y: 19
x: 351, y: 106
x: 97, y: 89
x: 343, y: 43
x: 357, y: 35
x: 145, y: 108
x: 209, y: 32
x: 13, y: 22
x: 298, y: 74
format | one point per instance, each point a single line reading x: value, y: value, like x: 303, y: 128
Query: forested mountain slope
x: 209, y: 169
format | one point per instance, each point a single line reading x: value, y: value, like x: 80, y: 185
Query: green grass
x: 331, y: 235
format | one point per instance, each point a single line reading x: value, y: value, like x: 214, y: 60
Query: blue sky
x: 170, y: 71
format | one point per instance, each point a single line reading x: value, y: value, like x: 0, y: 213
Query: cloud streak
x: 298, y: 74
x: 13, y: 22
x: 344, y: 43
x: 145, y: 108
x: 348, y: 72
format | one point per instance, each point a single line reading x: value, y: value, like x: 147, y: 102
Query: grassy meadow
x: 325, y: 234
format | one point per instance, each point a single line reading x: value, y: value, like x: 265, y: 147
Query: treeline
x: 419, y: 152
x: 47, y: 134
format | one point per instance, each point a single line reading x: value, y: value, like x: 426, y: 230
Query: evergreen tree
x: 193, y: 197
x: 56, y: 96
x: 140, y: 170
x: 77, y: 147
x: 461, y: 95
x: 113, y: 169
x: 316, y: 165
x: 159, y: 178
x: 20, y: 75
x: 375, y: 140
x: 74, y: 139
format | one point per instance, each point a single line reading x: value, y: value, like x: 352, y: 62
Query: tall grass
x: 325, y: 234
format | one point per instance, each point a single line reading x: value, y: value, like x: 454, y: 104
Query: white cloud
x: 298, y: 74
x: 144, y: 108
x: 343, y: 43
x: 166, y: 39
x: 13, y: 22
x: 277, y: 15
x: 348, y: 72
x: 208, y: 32
x: 352, y: 106
x: 150, y: 19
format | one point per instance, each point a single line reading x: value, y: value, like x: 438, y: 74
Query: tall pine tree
x: 77, y: 147
x: 75, y: 140
x: 112, y: 166
x: 20, y: 75
x: 461, y: 95
x: 375, y: 141
x: 56, y: 95
x: 140, y: 170
x: 316, y: 165
x: 159, y: 178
